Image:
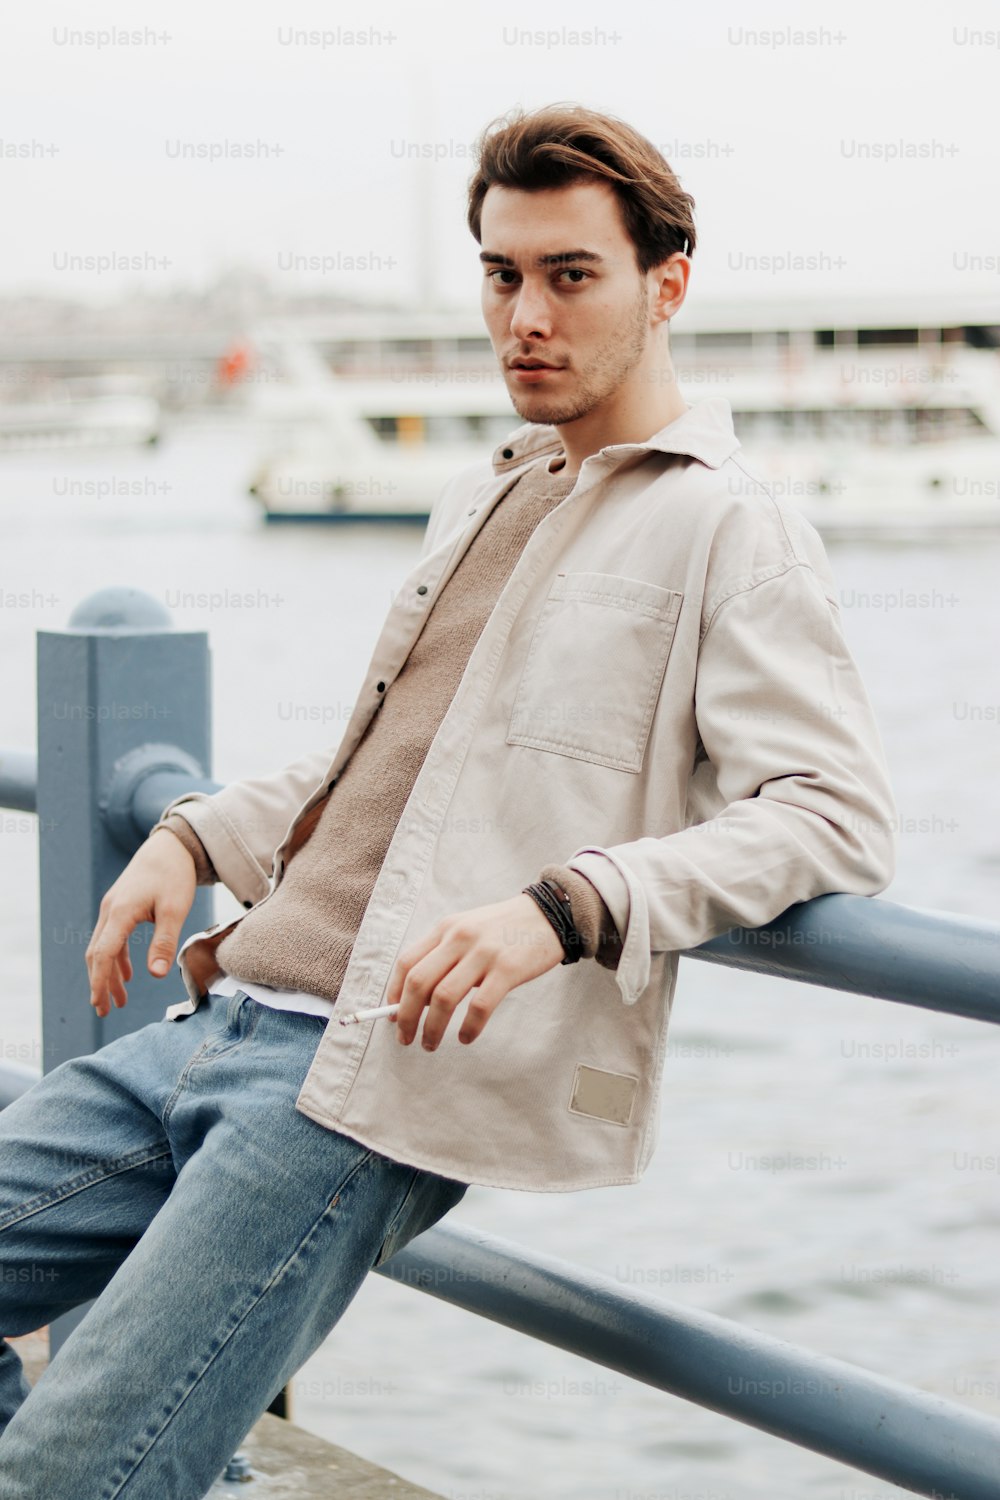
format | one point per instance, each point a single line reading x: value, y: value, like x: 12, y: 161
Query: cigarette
x: 368, y: 1015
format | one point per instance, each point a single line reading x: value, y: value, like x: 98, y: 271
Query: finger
x: 95, y: 937
x: 115, y: 992
x: 481, y: 1006
x: 118, y: 992
x: 420, y: 983
x: 404, y: 963
x: 104, y: 952
x: 169, y: 919
x: 120, y: 975
x: 102, y: 1002
x: 447, y: 996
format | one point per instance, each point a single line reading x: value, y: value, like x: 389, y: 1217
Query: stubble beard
x: 612, y: 363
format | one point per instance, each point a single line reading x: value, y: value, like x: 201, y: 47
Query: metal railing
x: 102, y: 780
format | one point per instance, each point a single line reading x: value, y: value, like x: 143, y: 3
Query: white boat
x: 80, y: 412
x: 860, y: 457
x: 874, y: 426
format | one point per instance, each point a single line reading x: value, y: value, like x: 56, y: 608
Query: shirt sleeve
x: 593, y: 921
x: 790, y: 790
x: 242, y: 826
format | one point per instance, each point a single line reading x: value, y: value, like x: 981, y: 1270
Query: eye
x: 575, y: 271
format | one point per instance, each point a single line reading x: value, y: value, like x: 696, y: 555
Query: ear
x: 669, y: 282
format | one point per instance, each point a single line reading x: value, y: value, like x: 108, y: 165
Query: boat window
x: 881, y: 426
x: 888, y: 336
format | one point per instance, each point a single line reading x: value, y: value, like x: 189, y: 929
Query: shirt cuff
x: 204, y: 869
x: 591, y: 918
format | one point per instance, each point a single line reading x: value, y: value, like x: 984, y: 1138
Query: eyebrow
x: 558, y: 258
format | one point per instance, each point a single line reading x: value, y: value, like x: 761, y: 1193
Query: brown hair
x: 565, y: 143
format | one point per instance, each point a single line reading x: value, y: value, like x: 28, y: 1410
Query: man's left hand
x: 494, y: 948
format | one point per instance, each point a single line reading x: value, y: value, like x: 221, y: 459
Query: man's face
x: 561, y: 285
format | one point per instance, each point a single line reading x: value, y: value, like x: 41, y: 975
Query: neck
x: 589, y: 434
x: 641, y: 406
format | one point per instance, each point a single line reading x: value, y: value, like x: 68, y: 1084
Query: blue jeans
x: 222, y: 1232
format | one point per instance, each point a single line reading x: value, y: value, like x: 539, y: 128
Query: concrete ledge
x: 288, y: 1463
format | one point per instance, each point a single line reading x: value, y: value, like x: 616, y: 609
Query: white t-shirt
x: 315, y: 1005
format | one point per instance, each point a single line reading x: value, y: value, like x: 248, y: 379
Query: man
x: 611, y: 714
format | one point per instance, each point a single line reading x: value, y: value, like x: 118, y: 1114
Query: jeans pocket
x: 428, y: 1198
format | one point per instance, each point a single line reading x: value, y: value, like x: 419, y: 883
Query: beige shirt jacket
x: 663, y: 699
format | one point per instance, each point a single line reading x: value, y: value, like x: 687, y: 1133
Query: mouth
x: 530, y: 370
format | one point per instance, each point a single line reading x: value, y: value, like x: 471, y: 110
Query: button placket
x: 389, y: 912
x: 440, y: 781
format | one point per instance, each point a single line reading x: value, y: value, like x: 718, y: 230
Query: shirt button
x: 380, y: 687
x: 421, y: 588
x: 508, y: 453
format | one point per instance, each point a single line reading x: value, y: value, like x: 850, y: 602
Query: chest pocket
x: 594, y: 667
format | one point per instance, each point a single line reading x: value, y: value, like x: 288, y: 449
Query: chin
x: 529, y: 409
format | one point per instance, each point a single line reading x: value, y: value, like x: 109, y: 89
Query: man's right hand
x: 157, y: 885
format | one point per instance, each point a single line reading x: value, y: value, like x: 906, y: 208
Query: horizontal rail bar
x: 155, y: 792
x: 18, y: 780
x: 910, y: 1437
x: 15, y: 1079
x: 868, y: 946
x: 863, y: 945
x: 860, y: 944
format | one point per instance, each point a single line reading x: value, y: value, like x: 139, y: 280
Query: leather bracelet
x: 567, y: 935
x: 555, y: 903
x: 573, y: 941
x: 554, y: 908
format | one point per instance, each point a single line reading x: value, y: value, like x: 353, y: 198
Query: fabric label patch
x: 603, y: 1095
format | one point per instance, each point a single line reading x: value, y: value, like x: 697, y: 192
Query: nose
x: 531, y: 318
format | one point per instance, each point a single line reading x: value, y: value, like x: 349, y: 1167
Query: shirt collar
x: 705, y: 431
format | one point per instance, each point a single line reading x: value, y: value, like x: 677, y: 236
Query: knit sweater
x: 301, y: 938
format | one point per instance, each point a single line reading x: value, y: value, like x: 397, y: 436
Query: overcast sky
x: 860, y: 137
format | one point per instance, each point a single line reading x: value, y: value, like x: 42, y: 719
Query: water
x: 877, y: 1249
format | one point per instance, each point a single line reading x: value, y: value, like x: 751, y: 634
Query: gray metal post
x: 120, y: 695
